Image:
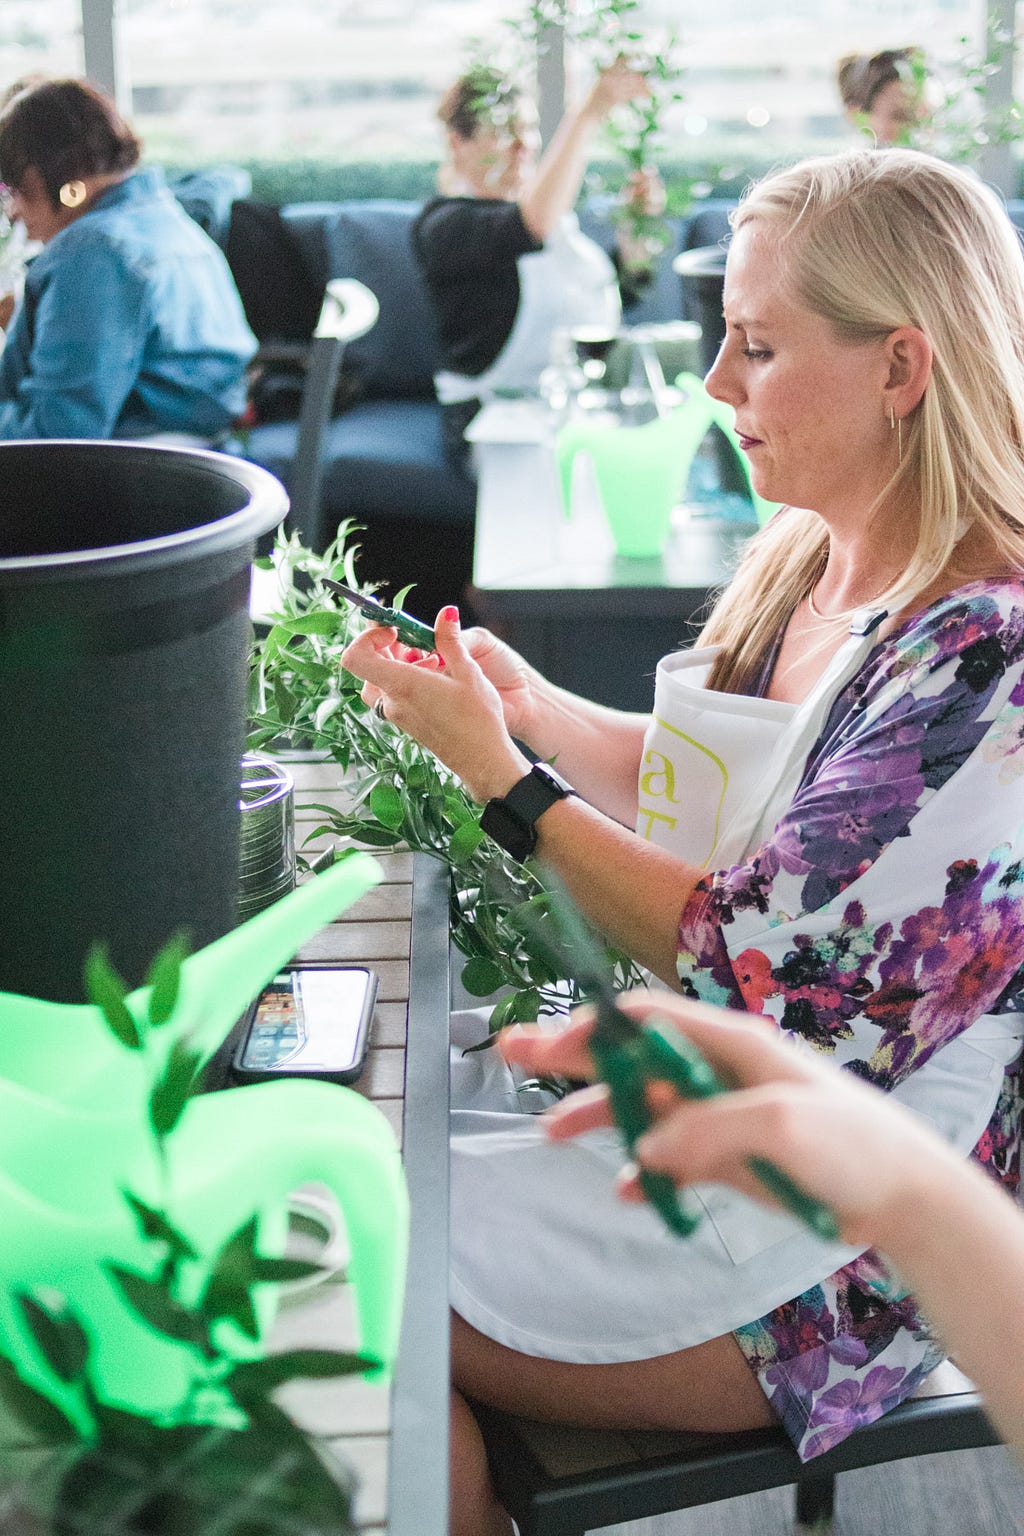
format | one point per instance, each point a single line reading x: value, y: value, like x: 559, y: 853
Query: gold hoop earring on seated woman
x: 897, y: 427
x: 73, y: 194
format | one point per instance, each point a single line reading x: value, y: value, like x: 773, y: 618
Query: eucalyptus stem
x: 400, y: 795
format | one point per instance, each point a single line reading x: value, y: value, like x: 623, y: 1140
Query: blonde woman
x: 829, y: 816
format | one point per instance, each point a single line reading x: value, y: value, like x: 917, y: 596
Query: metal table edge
x: 418, y: 1455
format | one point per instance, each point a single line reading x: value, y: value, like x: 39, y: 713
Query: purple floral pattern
x: 883, y: 917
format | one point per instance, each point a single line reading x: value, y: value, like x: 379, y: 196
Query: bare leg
x: 475, y: 1510
x: 709, y: 1387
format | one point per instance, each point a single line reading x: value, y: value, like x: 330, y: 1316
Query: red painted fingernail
x: 451, y: 614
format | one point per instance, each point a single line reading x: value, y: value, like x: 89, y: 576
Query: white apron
x: 545, y: 1259
x: 570, y: 282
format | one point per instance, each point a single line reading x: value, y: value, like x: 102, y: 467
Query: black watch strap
x: 511, y: 819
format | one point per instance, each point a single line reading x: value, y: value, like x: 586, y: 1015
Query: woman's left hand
x: 451, y: 709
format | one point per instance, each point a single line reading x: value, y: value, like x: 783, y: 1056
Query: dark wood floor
x: 965, y: 1493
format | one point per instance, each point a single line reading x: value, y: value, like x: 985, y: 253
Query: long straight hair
x: 871, y: 241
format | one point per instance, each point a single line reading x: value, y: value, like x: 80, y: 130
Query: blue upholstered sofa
x: 384, y: 464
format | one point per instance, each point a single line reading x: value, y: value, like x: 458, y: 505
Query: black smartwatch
x: 511, y: 819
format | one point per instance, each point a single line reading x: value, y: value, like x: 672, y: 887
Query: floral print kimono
x: 882, y: 917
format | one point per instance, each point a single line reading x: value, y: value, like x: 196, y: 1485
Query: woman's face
x: 30, y: 203
x: 810, y: 409
x: 894, y: 113
x: 496, y: 162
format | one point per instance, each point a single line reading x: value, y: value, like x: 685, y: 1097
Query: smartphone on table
x: 312, y: 1020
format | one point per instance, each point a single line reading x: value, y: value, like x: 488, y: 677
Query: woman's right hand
x: 444, y: 700
x: 846, y: 1143
x: 619, y: 83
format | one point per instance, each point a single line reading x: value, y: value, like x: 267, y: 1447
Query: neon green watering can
x: 75, y: 1136
x: 641, y: 471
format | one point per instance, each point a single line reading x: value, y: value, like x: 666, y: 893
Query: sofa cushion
x: 372, y: 241
x: 383, y: 460
x: 280, y: 293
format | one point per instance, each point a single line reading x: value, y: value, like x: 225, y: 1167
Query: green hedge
x: 305, y: 181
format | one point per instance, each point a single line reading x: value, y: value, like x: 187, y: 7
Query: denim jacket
x: 130, y: 325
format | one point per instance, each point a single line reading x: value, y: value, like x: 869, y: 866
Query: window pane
x: 286, y: 79
x: 39, y: 37
x: 760, y: 74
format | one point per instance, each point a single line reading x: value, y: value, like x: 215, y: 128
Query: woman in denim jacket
x: 130, y: 325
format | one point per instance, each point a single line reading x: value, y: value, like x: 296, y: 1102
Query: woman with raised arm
x: 828, y: 815
x: 502, y: 252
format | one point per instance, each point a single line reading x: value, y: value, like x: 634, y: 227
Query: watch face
x: 545, y: 772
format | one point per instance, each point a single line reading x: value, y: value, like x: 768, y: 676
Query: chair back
x: 349, y: 310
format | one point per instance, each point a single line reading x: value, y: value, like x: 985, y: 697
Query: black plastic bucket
x: 124, y: 626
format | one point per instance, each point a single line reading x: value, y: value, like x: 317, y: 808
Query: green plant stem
x: 401, y: 795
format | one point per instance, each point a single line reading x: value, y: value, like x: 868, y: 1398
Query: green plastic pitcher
x: 641, y: 472
x: 75, y: 1136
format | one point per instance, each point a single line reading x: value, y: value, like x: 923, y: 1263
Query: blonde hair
x: 873, y: 240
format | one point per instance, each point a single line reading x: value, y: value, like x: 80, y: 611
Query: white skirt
x: 546, y: 1259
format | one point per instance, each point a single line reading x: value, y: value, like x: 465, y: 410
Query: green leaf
x: 481, y: 976
x: 193, y: 1480
x: 320, y: 623
x: 60, y: 1337
x: 376, y: 837
x: 179, y: 1081
x: 502, y: 1014
x: 165, y: 978
x: 228, y: 1290
x: 325, y: 709
x: 386, y: 804
x: 258, y: 1378
x: 151, y: 1300
x: 106, y: 991
x: 465, y: 841
x: 41, y: 1418
x: 526, y: 1005
x: 284, y: 700
x: 154, y: 1225
x: 458, y: 808
x: 281, y: 1270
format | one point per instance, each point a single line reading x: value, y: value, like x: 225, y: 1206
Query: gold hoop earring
x: 73, y: 194
x: 897, y: 427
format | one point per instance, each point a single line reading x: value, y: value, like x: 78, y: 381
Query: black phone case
x: 240, y: 1075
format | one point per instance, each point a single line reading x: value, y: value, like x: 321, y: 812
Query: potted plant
x: 136, y: 1391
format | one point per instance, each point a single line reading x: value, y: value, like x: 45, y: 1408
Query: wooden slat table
x: 397, y: 1442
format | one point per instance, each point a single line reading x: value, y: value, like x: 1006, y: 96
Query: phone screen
x: 308, y: 1021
